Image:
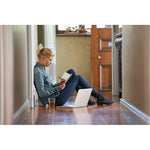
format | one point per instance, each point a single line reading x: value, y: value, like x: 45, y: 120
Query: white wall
x: 6, y: 74
x: 136, y: 66
x: 14, y: 71
x: 20, y: 65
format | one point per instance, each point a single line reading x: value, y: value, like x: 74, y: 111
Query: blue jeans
x: 76, y: 82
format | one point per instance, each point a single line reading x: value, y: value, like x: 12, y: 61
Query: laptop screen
x: 83, y: 97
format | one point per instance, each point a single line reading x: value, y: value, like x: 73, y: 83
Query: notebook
x: 81, y: 100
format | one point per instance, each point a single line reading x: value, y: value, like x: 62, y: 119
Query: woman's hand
x: 62, y: 86
x: 62, y: 82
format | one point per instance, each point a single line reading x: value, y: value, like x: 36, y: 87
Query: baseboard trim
x: 20, y: 114
x: 134, y: 113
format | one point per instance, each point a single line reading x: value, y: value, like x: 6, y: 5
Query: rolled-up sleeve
x: 43, y: 90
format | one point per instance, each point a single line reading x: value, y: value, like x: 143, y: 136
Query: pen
x: 60, y: 78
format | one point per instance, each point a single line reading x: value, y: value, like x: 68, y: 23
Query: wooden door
x: 101, y: 60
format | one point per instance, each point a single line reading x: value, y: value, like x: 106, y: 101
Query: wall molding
x: 20, y: 114
x: 134, y: 113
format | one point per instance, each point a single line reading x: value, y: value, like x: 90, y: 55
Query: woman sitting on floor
x: 60, y: 91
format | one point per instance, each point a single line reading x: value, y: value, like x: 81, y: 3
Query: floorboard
x: 90, y: 115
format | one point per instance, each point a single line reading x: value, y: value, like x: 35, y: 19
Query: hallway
x: 121, y: 126
x: 91, y: 115
x: 18, y: 93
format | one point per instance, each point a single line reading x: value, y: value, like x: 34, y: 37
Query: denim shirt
x: 43, y: 85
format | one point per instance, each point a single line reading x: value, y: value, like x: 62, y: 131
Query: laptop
x: 81, y: 100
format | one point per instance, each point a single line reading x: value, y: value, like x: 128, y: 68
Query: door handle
x: 99, y: 57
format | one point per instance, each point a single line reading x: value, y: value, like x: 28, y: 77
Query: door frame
x: 50, y: 42
x: 31, y: 46
x: 115, y: 68
x: 1, y: 76
x: 94, y: 45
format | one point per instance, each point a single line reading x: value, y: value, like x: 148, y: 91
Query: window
x: 73, y: 29
x: 74, y: 26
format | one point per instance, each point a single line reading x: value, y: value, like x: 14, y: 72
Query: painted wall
x: 135, y: 66
x: 74, y: 52
x: 20, y: 65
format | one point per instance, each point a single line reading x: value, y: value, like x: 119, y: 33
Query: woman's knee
x: 79, y: 76
x: 71, y: 71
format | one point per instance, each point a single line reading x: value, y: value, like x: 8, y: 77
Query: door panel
x: 102, y: 59
x: 105, y: 44
x: 105, y: 78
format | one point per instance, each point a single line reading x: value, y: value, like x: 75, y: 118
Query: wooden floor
x: 90, y: 115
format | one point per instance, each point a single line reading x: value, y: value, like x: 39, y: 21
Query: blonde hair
x: 41, y: 51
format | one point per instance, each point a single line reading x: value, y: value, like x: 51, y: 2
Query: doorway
x: 104, y: 63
